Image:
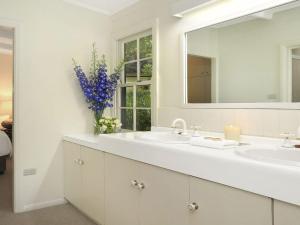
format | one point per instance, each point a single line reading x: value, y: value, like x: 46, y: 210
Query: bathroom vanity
x: 120, y: 179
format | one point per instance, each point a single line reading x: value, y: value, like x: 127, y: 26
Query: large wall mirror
x: 253, y: 59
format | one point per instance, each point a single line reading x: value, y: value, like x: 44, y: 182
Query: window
x: 134, y: 95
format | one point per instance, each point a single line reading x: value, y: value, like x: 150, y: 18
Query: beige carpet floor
x: 58, y: 215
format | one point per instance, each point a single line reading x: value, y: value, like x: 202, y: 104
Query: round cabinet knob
x: 193, y: 207
x: 141, y: 186
x: 81, y: 162
x: 134, y: 183
x: 76, y: 161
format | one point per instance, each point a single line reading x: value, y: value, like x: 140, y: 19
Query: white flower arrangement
x: 109, y: 125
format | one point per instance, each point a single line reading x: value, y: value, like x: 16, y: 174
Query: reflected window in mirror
x: 296, y: 74
x: 252, y: 59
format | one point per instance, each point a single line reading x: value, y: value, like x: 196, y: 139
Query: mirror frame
x: 284, y: 50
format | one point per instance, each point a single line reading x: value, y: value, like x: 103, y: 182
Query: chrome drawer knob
x: 193, y: 207
x: 134, y: 183
x: 81, y: 162
x: 141, y: 186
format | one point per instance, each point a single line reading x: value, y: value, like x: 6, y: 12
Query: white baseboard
x: 41, y: 205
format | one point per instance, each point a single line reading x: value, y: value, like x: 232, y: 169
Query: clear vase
x: 97, y: 128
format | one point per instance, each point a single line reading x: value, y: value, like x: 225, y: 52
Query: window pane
x: 127, y: 119
x: 130, y: 51
x: 146, y: 69
x: 146, y: 47
x: 143, y: 119
x: 143, y: 96
x: 130, y: 72
x: 127, y: 97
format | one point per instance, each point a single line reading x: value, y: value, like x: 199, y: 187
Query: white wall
x: 252, y: 121
x: 49, y: 101
x: 6, y: 74
x: 6, y: 81
x: 203, y: 42
x: 250, y: 57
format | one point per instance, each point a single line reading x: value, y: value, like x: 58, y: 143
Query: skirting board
x: 41, y: 205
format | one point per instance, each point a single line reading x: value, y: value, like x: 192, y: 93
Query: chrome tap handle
x: 287, y: 142
x: 193, y: 207
x: 196, y: 130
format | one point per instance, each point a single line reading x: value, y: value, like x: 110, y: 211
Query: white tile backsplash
x: 258, y: 122
x: 289, y: 120
x: 270, y: 123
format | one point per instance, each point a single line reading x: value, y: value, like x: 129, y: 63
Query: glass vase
x: 97, y: 128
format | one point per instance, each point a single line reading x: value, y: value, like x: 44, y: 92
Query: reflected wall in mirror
x: 253, y: 59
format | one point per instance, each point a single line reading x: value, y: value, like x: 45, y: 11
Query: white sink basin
x: 282, y: 156
x: 162, y: 137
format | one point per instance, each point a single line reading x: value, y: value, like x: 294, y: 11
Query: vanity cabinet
x: 141, y: 194
x: 122, y: 200
x: 72, y: 173
x: 165, y: 198
x: 84, y: 180
x: 113, y: 190
x: 218, y: 204
x: 286, y: 214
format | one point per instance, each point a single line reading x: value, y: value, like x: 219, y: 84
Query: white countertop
x: 222, y: 166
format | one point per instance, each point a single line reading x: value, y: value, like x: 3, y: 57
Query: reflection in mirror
x: 296, y: 74
x: 252, y: 59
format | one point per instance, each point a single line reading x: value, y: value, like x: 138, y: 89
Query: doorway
x: 6, y: 118
x: 199, y: 79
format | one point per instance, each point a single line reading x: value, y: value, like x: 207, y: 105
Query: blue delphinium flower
x: 99, y: 89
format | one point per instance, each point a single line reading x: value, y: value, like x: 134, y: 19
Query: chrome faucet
x: 287, y: 143
x: 183, y: 124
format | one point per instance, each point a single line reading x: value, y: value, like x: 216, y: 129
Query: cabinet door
x: 286, y: 214
x: 223, y: 205
x: 165, y: 198
x: 121, y: 198
x: 93, y: 184
x: 72, y: 173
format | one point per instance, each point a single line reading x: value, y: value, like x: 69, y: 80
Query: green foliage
x: 143, y: 96
x: 143, y: 118
x: 146, y: 47
x: 127, y: 119
x: 130, y: 51
x: 146, y: 71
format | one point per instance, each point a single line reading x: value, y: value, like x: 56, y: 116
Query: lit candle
x: 232, y: 132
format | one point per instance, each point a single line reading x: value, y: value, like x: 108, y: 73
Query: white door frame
x: 16, y: 156
x: 286, y: 78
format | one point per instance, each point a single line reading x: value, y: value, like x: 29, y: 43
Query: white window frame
x: 134, y: 85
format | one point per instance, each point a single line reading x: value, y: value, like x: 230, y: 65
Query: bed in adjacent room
x: 5, y: 150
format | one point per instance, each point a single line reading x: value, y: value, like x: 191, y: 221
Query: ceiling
x: 108, y: 7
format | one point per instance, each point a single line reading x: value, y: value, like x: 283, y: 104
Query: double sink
x: 271, y: 153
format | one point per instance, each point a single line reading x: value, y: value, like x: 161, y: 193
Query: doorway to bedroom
x: 6, y: 118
